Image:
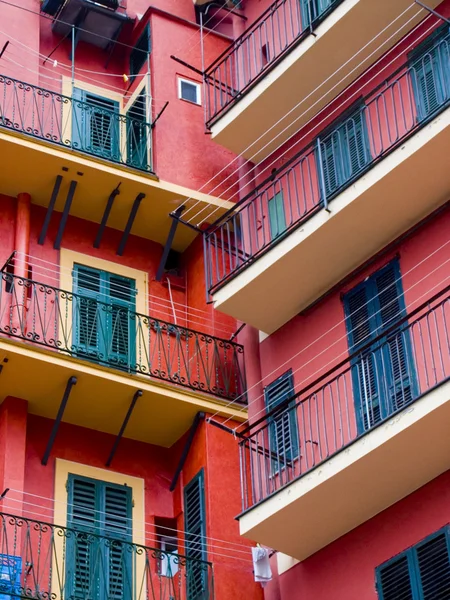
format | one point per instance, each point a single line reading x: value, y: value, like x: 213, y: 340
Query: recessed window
x: 189, y: 91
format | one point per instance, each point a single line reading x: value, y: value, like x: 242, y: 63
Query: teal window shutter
x: 277, y: 219
x: 138, y: 56
x: 420, y: 573
x: 138, y: 132
x: 96, y: 568
x: 430, y: 73
x: 283, y: 429
x: 195, y: 537
x: 311, y: 10
x: 383, y: 377
x: 104, y: 317
x: 344, y: 151
x: 95, y: 124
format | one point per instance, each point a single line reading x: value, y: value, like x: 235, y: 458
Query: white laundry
x: 261, y: 566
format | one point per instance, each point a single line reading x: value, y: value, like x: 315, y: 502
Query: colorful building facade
x: 336, y: 258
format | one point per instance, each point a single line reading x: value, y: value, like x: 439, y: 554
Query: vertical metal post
x: 323, y: 191
x: 149, y: 108
x: 202, y: 51
x: 73, y: 58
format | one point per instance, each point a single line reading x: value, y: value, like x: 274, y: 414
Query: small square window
x: 189, y: 91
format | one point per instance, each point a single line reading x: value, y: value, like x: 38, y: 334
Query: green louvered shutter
x: 195, y: 537
x: 97, y: 568
x: 95, y: 124
x: 394, y: 580
x: 283, y: 428
x: 331, y: 162
x: 315, y: 10
x: 434, y: 568
x: 117, y: 525
x: 88, y: 319
x: 83, y: 548
x: 121, y: 321
x: 399, y: 372
x: 277, y: 219
x: 360, y: 327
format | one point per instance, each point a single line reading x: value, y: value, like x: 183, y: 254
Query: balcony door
x: 383, y: 374
x: 98, y: 561
x: 95, y: 125
x: 312, y: 10
x: 104, y: 317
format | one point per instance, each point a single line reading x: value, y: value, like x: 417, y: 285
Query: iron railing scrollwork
x: 43, y: 561
x: 111, y: 334
x: 88, y: 127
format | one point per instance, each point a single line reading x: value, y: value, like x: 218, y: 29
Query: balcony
x: 279, y: 65
x: 342, y: 192
x: 98, y: 145
x: 52, y: 334
x: 41, y: 560
x: 367, y: 433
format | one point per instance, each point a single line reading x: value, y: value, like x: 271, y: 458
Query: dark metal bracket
x: 190, y: 225
x: 187, y: 65
x: 65, y: 214
x: 159, y: 115
x: 62, y: 407
x: 137, y: 395
x: 433, y: 12
x: 169, y: 242
x: 195, y: 423
x: 129, y: 225
x: 50, y: 208
x: 105, y: 217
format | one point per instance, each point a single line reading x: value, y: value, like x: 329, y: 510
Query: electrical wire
x: 331, y: 329
x: 53, y: 273
x: 305, y: 112
x: 198, y: 539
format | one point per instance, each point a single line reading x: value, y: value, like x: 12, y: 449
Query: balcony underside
x: 395, y: 194
x: 312, y: 73
x: 102, y: 396
x: 363, y: 480
x: 32, y: 166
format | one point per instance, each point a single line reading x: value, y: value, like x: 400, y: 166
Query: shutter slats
x: 434, y: 568
x: 395, y: 581
x: 195, y: 534
x: 283, y: 427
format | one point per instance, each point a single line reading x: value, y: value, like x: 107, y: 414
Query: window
x: 313, y: 9
x: 344, y: 151
x: 189, y: 91
x: 283, y: 431
x: 95, y: 124
x: 420, y: 573
x: 10, y: 572
x: 430, y: 73
x: 277, y: 219
x: 383, y: 375
x: 168, y: 544
x: 138, y: 56
x: 103, y: 319
x: 95, y: 567
x: 195, y: 536
x: 138, y: 132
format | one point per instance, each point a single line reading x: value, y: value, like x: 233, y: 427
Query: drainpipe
x: 22, y: 247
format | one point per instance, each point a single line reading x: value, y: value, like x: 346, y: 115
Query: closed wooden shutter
x: 283, y: 426
x: 195, y: 537
x: 89, y: 328
x: 98, y: 568
x: 394, y: 581
x: 95, y: 124
x: 383, y: 375
x: 420, y: 573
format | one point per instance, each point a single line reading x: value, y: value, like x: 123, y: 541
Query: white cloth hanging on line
x: 261, y: 565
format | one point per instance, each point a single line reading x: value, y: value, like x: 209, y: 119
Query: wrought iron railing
x: 260, y: 47
x: 106, y: 331
x: 383, y: 120
x: 40, y: 560
x: 88, y: 124
x: 380, y: 379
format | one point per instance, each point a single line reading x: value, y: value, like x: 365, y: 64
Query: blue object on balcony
x: 51, y: 7
x: 10, y: 571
